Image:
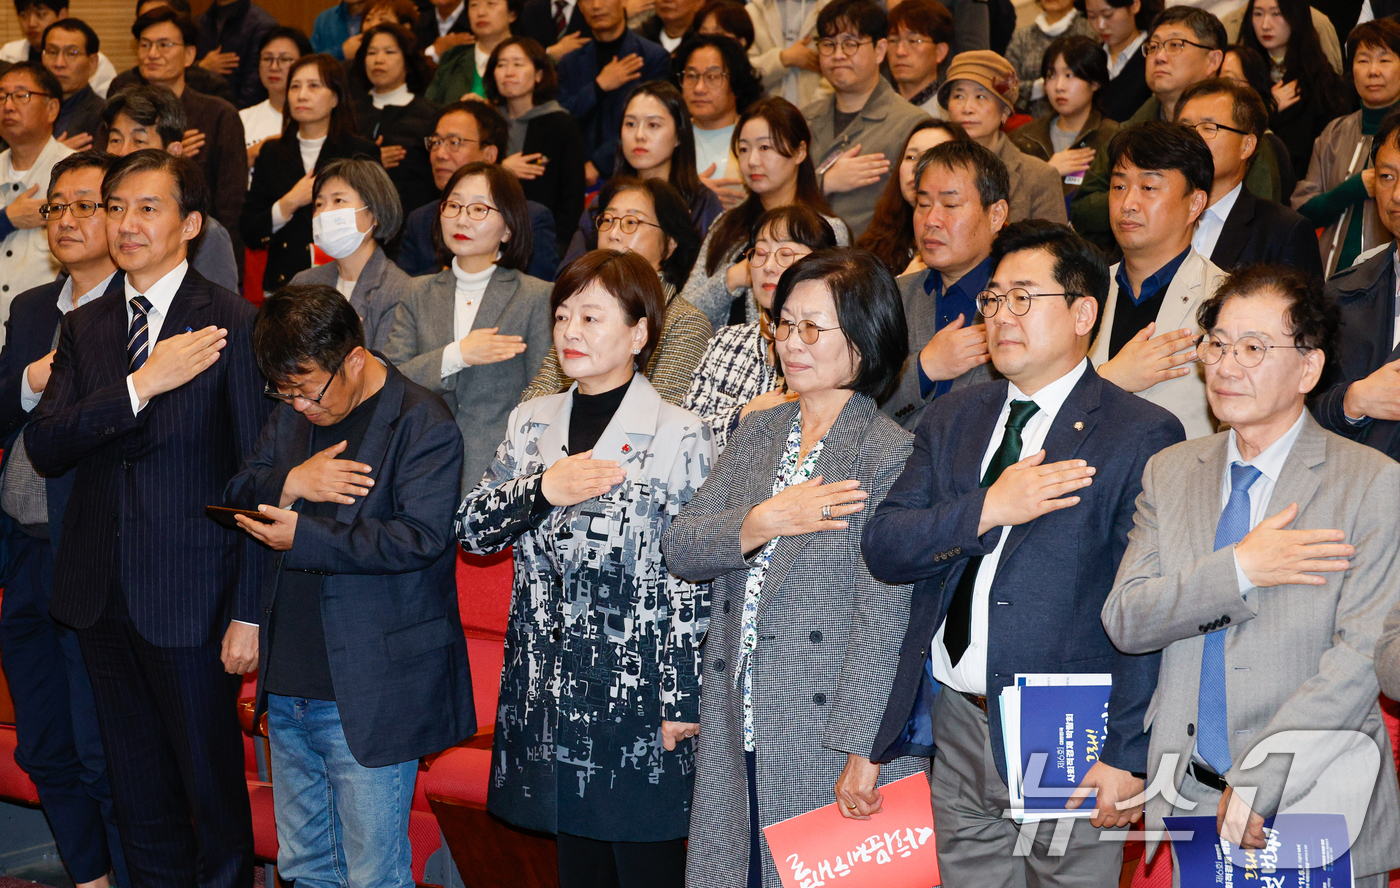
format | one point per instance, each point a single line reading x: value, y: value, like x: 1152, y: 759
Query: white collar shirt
x: 160, y: 295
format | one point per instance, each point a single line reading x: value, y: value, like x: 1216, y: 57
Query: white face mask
x: 336, y: 233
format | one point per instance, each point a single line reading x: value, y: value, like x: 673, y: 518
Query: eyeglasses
x: 276, y: 61
x: 71, y: 53
x: 1209, y: 130
x: 145, y: 46
x: 1172, y: 47
x: 713, y: 77
x: 21, y: 96
x: 288, y: 399
x: 806, y: 330
x: 827, y: 45
x: 914, y: 43
x: 1248, y: 350
x: 81, y: 209
x: 785, y: 256
x: 450, y: 209
x: 627, y: 224
x: 453, y: 142
x: 1017, y: 301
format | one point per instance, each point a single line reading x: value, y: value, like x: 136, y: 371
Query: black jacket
x: 241, y: 33
x: 1126, y: 92
x: 537, y: 20
x: 427, y: 30
x: 407, y: 126
x: 278, y: 170
x: 1259, y: 231
x: 561, y: 188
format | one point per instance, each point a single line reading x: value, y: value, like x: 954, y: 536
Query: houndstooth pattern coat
x: 828, y: 638
x: 602, y: 644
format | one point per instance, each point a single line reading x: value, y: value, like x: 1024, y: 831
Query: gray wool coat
x: 376, y: 294
x: 479, y: 397
x: 829, y: 636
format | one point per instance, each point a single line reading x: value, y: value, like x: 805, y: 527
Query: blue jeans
x: 338, y: 822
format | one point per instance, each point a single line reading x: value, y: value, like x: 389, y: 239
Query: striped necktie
x: 138, y: 341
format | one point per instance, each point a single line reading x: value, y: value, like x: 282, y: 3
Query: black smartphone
x: 224, y: 516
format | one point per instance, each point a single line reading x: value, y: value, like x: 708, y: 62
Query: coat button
x: 1225, y: 619
x: 957, y: 550
x: 1201, y: 628
x: 9, y: 253
x: 726, y: 607
x: 1190, y: 730
x: 816, y: 636
x: 819, y: 699
x: 719, y: 665
x: 557, y: 634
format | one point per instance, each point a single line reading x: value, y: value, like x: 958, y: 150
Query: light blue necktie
x: 1212, y: 714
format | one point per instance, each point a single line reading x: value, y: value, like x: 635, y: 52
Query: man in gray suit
x: 960, y: 205
x: 1261, y: 564
x: 859, y: 130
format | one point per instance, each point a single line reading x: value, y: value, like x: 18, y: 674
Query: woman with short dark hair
x: 803, y: 641
x: 648, y: 217
x: 728, y: 18
x: 477, y: 331
x: 600, y: 692
x: 355, y: 212
x: 389, y: 75
x: 545, y: 149
x: 1075, y: 132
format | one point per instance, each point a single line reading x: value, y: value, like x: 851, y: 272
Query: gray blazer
x: 829, y: 636
x: 881, y: 127
x: 1036, y: 189
x: 906, y: 405
x: 480, y: 397
x: 1296, y: 657
x: 376, y: 294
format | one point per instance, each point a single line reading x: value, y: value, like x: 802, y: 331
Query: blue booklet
x: 1063, y: 730
x: 1302, y: 851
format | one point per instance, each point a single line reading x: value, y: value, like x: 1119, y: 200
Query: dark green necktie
x: 957, y: 628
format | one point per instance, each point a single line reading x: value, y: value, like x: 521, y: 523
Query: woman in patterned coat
x: 600, y: 693
x: 804, y: 642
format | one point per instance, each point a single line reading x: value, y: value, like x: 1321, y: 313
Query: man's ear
x: 189, y: 55
x: 175, y: 149
x: 491, y: 153
x: 193, y: 224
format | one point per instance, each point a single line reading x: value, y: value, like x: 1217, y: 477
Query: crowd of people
x: 824, y: 366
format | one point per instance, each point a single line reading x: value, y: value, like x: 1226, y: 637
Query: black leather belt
x: 975, y: 699
x: 1206, y: 777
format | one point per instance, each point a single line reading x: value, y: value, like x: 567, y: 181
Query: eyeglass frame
x: 71, y: 54
x: 997, y: 299
x: 432, y: 142
x: 56, y: 210
x: 620, y: 221
x: 1234, y: 349
x: 827, y: 46
x: 277, y: 61
x: 22, y: 102
x: 164, y: 45
x: 1148, y: 49
x: 752, y: 251
x: 782, y: 329
x: 1218, y: 127
x: 270, y: 392
x: 466, y: 208
x: 691, y: 77
x: 912, y: 42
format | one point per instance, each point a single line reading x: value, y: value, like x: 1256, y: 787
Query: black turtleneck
x: 591, y: 414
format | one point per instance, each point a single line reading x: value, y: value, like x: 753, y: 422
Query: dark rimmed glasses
x: 1017, y: 300
x: 288, y: 399
x: 807, y: 331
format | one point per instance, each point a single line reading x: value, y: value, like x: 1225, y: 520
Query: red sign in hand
x: 893, y: 849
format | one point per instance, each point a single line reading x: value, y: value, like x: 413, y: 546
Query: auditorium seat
x: 15, y: 785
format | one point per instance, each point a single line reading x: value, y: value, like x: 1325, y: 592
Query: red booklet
x: 893, y: 849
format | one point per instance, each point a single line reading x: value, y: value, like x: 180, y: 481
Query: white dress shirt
x: 1270, y: 464
x: 471, y: 287
x: 28, y: 398
x: 444, y: 26
x: 160, y: 295
x: 970, y: 675
x: 1116, y: 63
x: 1212, y: 222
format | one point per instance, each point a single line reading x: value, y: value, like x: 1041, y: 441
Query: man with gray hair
x: 150, y: 116
x: 959, y: 206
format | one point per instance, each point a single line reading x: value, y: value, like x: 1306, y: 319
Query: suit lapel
x: 1203, y: 492
x: 376, y: 440
x: 1297, y: 482
x: 1233, y: 235
x: 1178, y: 309
x: 1073, y: 425
x: 840, y: 446
x: 112, y: 332
x: 628, y: 435
x: 190, y: 300
x: 500, y: 290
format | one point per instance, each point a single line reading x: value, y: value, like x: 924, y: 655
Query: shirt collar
x: 1270, y: 462
x: 1133, y: 47
x: 162, y: 292
x: 972, y: 283
x: 452, y: 17
x: 1051, y: 397
x: 1221, y: 208
x: 925, y: 94
x: 65, y: 296
x: 1156, y: 282
x: 398, y: 96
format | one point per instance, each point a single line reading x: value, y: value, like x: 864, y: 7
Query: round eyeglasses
x: 1017, y: 300
x: 289, y: 398
x: 784, y: 256
x: 628, y: 224
x: 807, y: 331
x: 1248, y: 350
x: 81, y: 209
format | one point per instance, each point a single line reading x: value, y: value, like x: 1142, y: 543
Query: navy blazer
x: 141, y: 481
x: 537, y: 20
x: 398, y: 658
x: 1258, y: 231
x: 599, y: 114
x: 1054, y: 573
x: 1365, y: 294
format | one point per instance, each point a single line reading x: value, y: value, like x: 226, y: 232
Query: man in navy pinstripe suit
x: 153, y: 403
